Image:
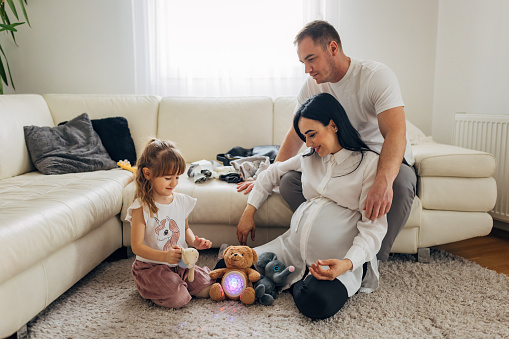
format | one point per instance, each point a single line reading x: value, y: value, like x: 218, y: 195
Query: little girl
x: 159, y: 229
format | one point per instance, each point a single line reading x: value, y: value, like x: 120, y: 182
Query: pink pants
x: 168, y: 286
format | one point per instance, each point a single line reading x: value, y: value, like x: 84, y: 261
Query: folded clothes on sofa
x: 237, y: 153
x: 202, y: 170
x: 250, y: 167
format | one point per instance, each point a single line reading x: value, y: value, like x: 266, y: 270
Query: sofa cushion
x: 284, y: 109
x: 140, y: 111
x: 41, y: 214
x: 218, y: 124
x: 69, y: 148
x: 16, y: 111
x: 442, y: 227
x: 440, y: 160
x: 115, y: 137
x: 457, y: 194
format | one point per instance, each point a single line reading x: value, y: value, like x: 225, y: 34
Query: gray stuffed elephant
x: 273, y: 277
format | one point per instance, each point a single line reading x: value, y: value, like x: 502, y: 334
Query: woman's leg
x: 319, y: 299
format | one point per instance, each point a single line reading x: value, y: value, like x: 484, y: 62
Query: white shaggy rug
x: 449, y: 297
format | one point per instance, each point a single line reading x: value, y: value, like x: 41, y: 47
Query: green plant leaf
x: 13, y: 8
x: 24, y: 11
x: 3, y: 14
x: 2, y: 70
x: 10, y: 27
x: 5, y: 19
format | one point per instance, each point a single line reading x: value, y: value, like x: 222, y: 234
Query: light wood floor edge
x: 491, y: 251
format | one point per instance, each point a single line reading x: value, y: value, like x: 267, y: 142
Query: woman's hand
x: 246, y: 186
x: 173, y: 255
x: 336, y: 268
x: 201, y: 243
x: 246, y: 224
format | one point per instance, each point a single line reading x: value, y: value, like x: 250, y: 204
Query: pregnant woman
x: 330, y: 242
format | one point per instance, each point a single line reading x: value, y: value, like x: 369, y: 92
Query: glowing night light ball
x: 234, y: 284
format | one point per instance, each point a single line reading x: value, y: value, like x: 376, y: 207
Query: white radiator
x: 488, y: 133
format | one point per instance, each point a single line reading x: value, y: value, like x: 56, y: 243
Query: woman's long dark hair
x: 324, y: 107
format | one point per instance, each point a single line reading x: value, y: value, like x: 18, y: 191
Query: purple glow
x: 234, y: 284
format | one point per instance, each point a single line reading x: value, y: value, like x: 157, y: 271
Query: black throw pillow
x: 115, y: 137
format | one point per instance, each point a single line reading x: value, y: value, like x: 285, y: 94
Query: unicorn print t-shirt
x: 168, y: 227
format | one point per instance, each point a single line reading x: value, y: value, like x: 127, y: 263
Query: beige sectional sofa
x: 54, y: 229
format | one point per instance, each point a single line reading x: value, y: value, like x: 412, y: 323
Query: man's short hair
x: 321, y: 32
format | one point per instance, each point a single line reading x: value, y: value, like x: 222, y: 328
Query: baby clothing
x: 166, y: 284
x: 250, y: 167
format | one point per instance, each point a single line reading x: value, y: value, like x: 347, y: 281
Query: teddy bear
x: 273, y: 277
x: 189, y: 257
x: 238, y: 276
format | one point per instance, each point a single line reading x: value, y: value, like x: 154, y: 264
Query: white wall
x: 449, y: 56
x: 87, y: 47
x: 472, y: 63
x: 73, y: 47
x: 402, y: 34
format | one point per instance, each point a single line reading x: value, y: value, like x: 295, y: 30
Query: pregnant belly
x: 331, y: 233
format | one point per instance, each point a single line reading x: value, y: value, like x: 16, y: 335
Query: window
x: 221, y: 48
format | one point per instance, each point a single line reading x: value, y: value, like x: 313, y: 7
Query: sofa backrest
x: 284, y: 108
x: 204, y: 127
x: 16, y: 111
x: 140, y: 111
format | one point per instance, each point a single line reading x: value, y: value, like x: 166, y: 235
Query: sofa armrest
x: 440, y: 160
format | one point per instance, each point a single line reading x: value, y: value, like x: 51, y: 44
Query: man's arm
x: 392, y: 125
x: 290, y: 146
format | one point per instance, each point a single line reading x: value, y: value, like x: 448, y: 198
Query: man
x: 370, y: 93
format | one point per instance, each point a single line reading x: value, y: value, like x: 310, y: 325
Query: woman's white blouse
x: 331, y: 223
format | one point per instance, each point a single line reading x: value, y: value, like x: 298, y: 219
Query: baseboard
x: 500, y: 228
x: 501, y: 225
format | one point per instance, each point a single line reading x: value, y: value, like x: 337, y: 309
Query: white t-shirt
x: 331, y: 223
x: 168, y: 227
x: 367, y: 89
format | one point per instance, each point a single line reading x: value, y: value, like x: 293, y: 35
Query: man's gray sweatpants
x: 404, y: 190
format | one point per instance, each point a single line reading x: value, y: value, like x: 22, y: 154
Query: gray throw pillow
x: 70, y: 148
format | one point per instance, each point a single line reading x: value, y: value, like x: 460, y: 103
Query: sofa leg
x: 423, y: 255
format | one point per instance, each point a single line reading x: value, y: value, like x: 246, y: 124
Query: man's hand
x: 336, y: 268
x: 245, y: 185
x: 379, y: 200
x: 246, y: 225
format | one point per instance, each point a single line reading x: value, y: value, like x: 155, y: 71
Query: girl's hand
x: 201, y: 243
x: 336, y: 268
x: 173, y: 255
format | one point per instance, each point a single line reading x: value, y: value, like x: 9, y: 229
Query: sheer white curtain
x: 222, y: 47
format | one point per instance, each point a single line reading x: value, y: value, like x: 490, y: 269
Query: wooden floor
x: 491, y: 251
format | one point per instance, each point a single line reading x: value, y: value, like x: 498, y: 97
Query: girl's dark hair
x: 162, y: 158
x: 324, y: 107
